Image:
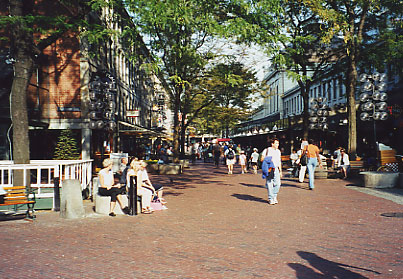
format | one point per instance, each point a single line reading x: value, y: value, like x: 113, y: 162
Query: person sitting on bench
x: 145, y: 193
x: 107, y: 188
x: 343, y: 163
x: 157, y: 189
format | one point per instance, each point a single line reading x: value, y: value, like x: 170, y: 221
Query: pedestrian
x: 302, y: 162
x: 273, y: 184
x: 230, y: 157
x: 312, y: 151
x: 242, y: 161
x: 216, y: 153
x: 254, y: 157
x: 343, y: 163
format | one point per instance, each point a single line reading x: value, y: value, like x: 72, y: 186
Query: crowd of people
x: 305, y: 159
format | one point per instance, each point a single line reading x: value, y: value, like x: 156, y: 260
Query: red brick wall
x: 57, y: 85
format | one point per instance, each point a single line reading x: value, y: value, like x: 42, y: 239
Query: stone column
x: 71, y: 204
x: 86, y: 143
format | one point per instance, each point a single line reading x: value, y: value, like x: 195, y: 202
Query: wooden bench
x: 356, y: 167
x: 19, y: 195
x: 285, y: 160
x: 387, y: 157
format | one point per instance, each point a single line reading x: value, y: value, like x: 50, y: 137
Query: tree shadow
x: 328, y: 269
x: 248, y: 198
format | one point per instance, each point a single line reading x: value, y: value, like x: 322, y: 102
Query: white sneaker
x: 164, y: 207
x: 272, y: 202
x: 275, y: 201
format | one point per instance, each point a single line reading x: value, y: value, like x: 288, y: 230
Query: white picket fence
x: 43, y: 173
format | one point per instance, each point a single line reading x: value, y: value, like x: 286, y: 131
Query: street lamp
x: 373, y: 99
x: 102, y: 106
x: 318, y: 112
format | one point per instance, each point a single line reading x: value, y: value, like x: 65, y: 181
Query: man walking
x: 273, y: 184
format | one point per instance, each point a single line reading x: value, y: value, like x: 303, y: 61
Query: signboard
x: 133, y: 113
x: 116, y: 157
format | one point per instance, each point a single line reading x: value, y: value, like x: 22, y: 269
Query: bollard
x: 133, y: 195
x: 56, y: 197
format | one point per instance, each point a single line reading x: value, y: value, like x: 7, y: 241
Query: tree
x: 66, y: 147
x: 29, y: 33
x: 234, y: 86
x: 293, y: 41
x: 349, y: 20
x: 178, y: 34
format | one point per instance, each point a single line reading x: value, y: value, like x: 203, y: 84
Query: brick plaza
x: 217, y: 226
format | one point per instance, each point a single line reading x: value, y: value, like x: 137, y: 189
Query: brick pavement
x: 217, y: 226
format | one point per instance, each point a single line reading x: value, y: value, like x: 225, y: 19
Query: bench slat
x: 15, y: 203
x: 14, y: 188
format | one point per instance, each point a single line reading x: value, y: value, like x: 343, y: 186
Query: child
x: 242, y: 161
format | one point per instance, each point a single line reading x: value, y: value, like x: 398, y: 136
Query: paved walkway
x: 217, y: 226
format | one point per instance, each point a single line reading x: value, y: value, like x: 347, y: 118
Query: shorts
x: 253, y: 163
x: 158, y: 187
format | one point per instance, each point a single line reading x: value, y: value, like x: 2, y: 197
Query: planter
x: 153, y: 168
x: 375, y: 179
x: 184, y: 163
x: 170, y: 169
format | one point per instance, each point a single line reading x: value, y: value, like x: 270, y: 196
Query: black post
x: 133, y: 196
x: 56, y: 197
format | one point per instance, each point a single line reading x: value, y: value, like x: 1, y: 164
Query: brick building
x: 59, y: 96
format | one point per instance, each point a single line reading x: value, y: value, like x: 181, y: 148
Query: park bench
x: 285, y: 160
x: 356, y: 167
x: 17, y: 196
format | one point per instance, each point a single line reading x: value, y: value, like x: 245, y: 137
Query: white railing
x: 44, y: 172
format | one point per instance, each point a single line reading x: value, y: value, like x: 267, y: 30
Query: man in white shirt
x: 273, y: 185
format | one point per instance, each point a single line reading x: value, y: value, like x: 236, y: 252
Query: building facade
x: 130, y: 102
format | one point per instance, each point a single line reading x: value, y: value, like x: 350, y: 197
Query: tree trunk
x: 305, y: 116
x: 351, y: 107
x: 21, y: 46
x: 176, y: 107
x: 183, y: 136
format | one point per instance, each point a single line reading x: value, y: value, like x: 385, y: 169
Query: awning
x: 138, y: 130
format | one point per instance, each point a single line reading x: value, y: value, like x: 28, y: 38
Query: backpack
x: 231, y: 155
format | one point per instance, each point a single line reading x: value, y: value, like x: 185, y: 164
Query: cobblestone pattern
x: 217, y: 226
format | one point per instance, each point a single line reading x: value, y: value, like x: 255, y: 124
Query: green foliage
x: 232, y: 87
x: 66, y: 148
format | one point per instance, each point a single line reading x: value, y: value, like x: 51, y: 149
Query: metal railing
x: 44, y: 174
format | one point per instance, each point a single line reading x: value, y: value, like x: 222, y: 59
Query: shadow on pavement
x: 328, y: 269
x: 252, y: 185
x: 248, y: 198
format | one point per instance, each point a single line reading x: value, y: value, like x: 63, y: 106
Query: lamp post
x: 318, y: 112
x: 102, y: 106
x: 373, y: 99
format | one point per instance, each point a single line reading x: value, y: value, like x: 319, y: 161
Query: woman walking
x: 312, y: 151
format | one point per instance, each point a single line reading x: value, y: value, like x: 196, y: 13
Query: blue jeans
x: 311, y: 166
x: 273, y: 185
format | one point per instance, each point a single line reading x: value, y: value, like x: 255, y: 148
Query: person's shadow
x: 328, y: 269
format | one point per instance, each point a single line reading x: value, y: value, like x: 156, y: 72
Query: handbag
x: 156, y: 204
x: 304, y: 160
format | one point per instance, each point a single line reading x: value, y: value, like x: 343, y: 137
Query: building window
x: 341, y: 87
x: 334, y: 89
